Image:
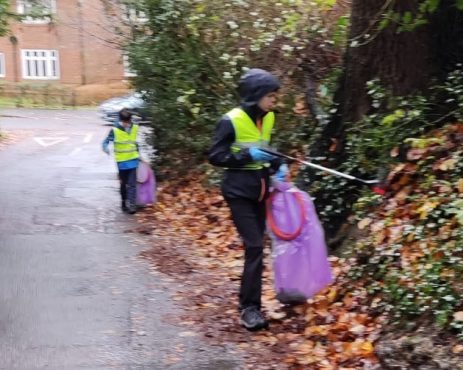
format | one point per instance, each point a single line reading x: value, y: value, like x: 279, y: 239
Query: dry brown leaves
x: 194, y: 241
x: 405, y: 182
x: 10, y: 137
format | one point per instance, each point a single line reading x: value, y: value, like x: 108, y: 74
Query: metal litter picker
x: 318, y: 167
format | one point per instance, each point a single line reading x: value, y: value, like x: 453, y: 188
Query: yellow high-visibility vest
x: 247, y: 134
x: 125, y: 144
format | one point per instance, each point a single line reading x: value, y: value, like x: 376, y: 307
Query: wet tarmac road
x: 74, y: 293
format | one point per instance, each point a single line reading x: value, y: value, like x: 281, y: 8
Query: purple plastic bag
x: 301, y: 267
x: 146, y: 185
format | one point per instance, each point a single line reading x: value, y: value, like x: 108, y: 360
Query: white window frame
x: 21, y: 8
x: 45, y: 64
x: 131, y: 14
x: 2, y: 65
x: 127, y: 71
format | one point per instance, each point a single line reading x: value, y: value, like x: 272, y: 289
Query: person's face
x: 268, y: 102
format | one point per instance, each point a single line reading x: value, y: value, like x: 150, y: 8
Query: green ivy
x: 374, y: 144
x: 428, y: 285
x: 5, y: 16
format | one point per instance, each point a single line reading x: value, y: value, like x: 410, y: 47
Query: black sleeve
x: 220, y: 153
x: 275, y: 164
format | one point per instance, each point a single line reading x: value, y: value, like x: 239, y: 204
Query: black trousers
x: 128, y: 182
x: 249, y: 219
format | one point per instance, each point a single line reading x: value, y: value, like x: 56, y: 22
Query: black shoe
x: 131, y: 209
x: 252, y: 319
x: 124, y: 207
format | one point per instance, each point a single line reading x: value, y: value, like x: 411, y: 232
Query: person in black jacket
x: 239, y: 137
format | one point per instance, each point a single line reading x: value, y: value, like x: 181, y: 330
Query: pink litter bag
x: 146, y: 185
x: 300, y: 259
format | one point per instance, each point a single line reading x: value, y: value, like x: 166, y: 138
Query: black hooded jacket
x: 240, y: 183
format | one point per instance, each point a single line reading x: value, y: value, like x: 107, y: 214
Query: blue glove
x: 106, y: 149
x: 259, y: 155
x: 282, y: 172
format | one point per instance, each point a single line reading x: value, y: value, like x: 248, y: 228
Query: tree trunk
x: 404, y: 62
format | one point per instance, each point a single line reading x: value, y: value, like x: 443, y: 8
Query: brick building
x: 73, y: 43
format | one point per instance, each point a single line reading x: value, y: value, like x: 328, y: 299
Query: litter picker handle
x: 318, y: 167
x: 278, y: 154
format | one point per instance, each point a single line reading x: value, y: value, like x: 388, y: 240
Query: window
x: 131, y: 14
x: 40, y: 64
x: 128, y: 72
x: 36, y: 11
x: 2, y: 65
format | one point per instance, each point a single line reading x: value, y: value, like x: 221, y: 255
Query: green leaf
x: 433, y: 5
x: 383, y: 24
x: 329, y: 3
x: 344, y: 20
x: 407, y: 18
x: 388, y: 120
x: 391, y: 118
x: 459, y: 4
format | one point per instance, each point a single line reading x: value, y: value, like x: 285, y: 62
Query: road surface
x: 74, y: 293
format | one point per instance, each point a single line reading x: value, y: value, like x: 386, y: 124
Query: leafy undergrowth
x: 411, y: 262
x: 395, y: 304
x: 194, y: 241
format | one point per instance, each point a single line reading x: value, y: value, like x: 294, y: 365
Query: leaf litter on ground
x: 194, y: 241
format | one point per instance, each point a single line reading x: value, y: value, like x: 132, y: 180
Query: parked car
x: 109, y: 109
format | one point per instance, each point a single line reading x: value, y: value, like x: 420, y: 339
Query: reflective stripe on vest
x: 247, y: 134
x: 125, y: 144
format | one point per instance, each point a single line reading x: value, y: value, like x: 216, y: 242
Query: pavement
x: 74, y: 292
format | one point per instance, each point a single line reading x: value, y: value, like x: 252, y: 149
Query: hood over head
x: 255, y: 84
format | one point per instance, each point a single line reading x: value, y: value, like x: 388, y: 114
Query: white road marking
x: 88, y: 138
x: 75, y: 151
x: 50, y: 140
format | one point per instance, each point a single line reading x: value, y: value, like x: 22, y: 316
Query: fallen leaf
x: 364, y: 223
x: 447, y: 165
x: 416, y: 153
x: 277, y: 315
x: 358, y: 329
x: 458, y: 316
x: 316, y: 330
x: 426, y: 208
x: 460, y: 186
x: 184, y: 334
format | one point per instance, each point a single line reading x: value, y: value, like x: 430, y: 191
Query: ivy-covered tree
x: 407, y: 45
x: 398, y: 53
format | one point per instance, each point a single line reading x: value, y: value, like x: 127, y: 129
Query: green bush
x: 411, y: 260
x: 378, y: 141
x: 189, y: 55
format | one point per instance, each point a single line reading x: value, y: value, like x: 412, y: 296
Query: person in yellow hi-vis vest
x: 239, y: 136
x: 124, y: 138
